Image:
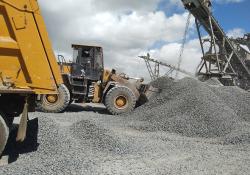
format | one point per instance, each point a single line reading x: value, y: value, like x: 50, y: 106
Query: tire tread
x: 109, y: 101
x: 66, y: 101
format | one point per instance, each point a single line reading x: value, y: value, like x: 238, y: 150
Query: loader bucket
x: 146, y: 93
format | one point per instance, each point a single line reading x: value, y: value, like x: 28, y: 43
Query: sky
x: 127, y: 29
x: 233, y: 15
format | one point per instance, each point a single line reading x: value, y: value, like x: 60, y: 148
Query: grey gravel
x: 195, y: 109
x: 189, y: 127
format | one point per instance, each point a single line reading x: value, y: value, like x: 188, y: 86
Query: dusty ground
x: 93, y: 143
x: 170, y: 135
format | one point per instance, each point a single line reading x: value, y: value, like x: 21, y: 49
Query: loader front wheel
x: 120, y: 100
x: 55, y: 103
x: 4, y: 134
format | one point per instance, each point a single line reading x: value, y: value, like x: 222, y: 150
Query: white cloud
x: 235, y: 33
x: 125, y: 29
x: 191, y: 57
x: 125, y: 6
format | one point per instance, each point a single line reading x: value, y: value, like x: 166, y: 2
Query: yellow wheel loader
x: 29, y: 71
x: 86, y: 81
x: 28, y: 66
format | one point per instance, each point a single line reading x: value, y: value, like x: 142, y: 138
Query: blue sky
x: 229, y: 15
x: 233, y: 15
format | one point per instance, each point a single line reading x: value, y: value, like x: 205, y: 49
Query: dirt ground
x: 86, y: 140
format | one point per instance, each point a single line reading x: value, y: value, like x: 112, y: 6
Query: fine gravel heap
x: 188, y: 127
x: 197, y: 109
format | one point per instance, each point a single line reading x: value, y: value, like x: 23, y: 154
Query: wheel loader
x: 86, y: 81
x: 29, y: 71
x: 28, y: 66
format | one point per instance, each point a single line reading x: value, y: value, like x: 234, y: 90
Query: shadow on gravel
x: 13, y: 149
x: 87, y: 108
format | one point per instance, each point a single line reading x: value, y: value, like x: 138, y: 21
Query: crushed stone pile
x: 197, y: 109
x: 189, y: 127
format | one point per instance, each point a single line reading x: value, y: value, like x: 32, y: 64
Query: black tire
x: 117, y: 92
x: 4, y: 134
x: 62, y: 101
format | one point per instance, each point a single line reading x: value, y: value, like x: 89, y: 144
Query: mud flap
x: 22, y: 129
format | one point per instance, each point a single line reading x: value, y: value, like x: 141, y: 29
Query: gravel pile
x: 100, y: 139
x: 195, y: 109
x: 189, y: 128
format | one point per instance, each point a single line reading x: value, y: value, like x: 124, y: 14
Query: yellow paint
x: 52, y: 98
x: 26, y: 56
x: 65, y: 68
x: 120, y: 102
x: 106, y: 76
x: 97, y: 93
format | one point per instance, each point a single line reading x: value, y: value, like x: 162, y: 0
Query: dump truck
x: 87, y: 81
x: 28, y: 65
x: 29, y: 71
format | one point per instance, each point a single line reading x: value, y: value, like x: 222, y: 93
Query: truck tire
x: 4, y: 134
x: 55, y: 103
x: 119, y: 100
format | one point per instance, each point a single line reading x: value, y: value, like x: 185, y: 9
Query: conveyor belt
x: 228, y: 60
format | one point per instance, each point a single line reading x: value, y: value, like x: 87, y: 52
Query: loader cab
x: 87, y: 62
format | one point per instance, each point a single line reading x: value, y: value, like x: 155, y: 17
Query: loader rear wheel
x: 4, y: 134
x: 120, y: 100
x: 55, y: 103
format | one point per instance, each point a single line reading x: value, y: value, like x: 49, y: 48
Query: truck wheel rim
x: 121, y: 102
x: 52, y: 98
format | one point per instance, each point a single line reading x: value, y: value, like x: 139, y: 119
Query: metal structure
x: 148, y: 59
x: 245, y: 40
x: 183, y: 43
x: 242, y: 45
x: 221, y: 60
x: 153, y: 73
